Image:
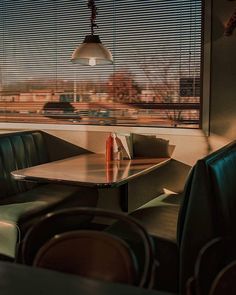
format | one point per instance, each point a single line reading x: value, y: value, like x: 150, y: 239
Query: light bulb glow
x: 92, y: 61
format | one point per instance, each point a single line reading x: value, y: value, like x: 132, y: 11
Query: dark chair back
x: 66, y: 241
x: 93, y: 254
x: 212, y: 258
x: 47, y: 227
x: 225, y: 282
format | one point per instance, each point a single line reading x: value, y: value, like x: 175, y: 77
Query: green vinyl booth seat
x: 206, y: 211
x: 22, y: 202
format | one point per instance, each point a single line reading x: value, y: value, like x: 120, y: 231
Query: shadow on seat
x: 80, y: 249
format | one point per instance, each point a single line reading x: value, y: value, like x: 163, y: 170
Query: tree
x: 163, y: 75
x: 122, y: 87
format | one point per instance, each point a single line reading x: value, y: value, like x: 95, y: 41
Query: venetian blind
x: 156, y: 46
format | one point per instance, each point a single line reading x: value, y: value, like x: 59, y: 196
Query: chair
x: 225, y: 282
x: 76, y: 247
x: 207, y: 211
x: 212, y: 258
x: 190, y: 286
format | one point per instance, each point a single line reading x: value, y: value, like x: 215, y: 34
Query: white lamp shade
x: 92, y: 52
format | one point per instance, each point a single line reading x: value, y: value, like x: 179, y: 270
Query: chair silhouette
x: 225, y: 282
x: 212, y: 259
x: 80, y: 249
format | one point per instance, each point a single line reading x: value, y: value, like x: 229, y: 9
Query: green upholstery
x: 163, y: 224
x: 224, y: 186
x: 9, y: 234
x: 17, y: 151
x: 209, y: 205
x: 21, y: 203
x: 160, y: 218
x: 21, y: 209
x: 207, y: 210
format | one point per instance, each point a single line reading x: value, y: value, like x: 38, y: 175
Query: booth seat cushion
x: 9, y: 234
x: 21, y: 209
x: 22, y: 202
x: 36, y: 199
x: 159, y: 218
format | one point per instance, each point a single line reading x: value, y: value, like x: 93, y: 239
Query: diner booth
x: 117, y: 150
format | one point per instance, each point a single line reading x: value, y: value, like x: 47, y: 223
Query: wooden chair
x: 225, y: 282
x: 93, y: 254
x: 88, y: 252
x: 212, y: 258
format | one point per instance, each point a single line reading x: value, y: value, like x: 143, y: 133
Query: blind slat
x: 156, y: 46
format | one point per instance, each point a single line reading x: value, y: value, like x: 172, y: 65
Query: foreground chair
x: 225, y: 282
x: 67, y: 242
x: 206, y: 212
x: 212, y: 259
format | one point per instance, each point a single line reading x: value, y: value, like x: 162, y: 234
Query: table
x: 19, y: 279
x: 92, y: 170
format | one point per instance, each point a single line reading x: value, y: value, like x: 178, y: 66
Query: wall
x: 190, y: 145
x: 187, y: 148
x: 223, y: 73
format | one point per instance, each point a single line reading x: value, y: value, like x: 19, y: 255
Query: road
x: 42, y: 119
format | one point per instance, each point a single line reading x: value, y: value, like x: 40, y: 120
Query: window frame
x: 204, y: 126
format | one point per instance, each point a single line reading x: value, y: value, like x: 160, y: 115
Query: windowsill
x: 87, y: 128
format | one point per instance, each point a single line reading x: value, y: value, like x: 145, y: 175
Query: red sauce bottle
x: 109, y: 148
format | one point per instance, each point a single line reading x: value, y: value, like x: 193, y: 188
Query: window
x: 154, y: 81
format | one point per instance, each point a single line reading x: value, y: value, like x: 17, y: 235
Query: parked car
x: 61, y: 110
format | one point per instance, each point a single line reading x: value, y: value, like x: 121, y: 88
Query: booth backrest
x: 19, y: 150
x: 208, y: 206
x: 222, y: 172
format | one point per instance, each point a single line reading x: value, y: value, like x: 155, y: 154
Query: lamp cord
x: 92, y: 6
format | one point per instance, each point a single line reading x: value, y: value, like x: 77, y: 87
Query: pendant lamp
x: 92, y: 52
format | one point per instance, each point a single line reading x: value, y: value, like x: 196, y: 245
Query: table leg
x: 124, y: 197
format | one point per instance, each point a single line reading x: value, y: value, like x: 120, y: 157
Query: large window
x: 154, y: 81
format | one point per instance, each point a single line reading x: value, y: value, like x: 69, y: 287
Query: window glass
x: 154, y: 80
